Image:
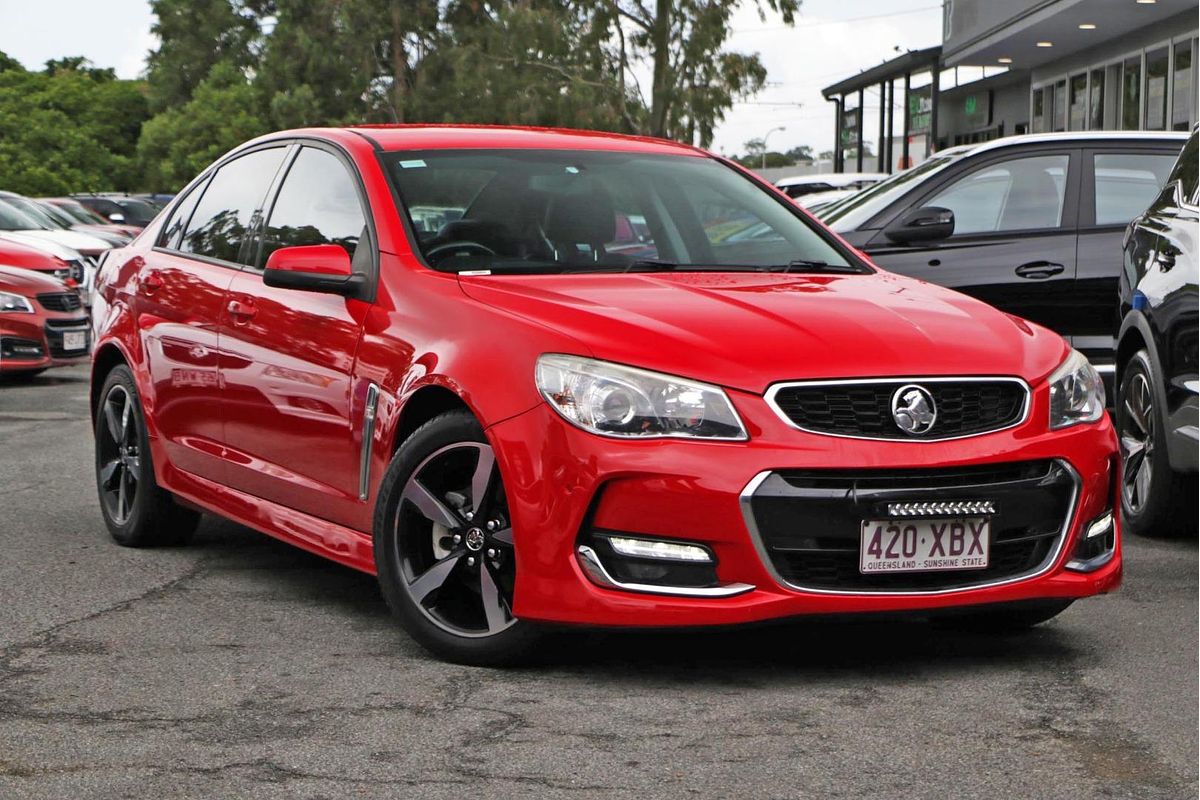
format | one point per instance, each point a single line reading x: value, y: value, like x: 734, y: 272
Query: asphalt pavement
x: 241, y: 667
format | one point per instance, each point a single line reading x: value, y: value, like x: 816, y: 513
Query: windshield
x: 851, y: 212
x: 78, y: 212
x: 565, y: 211
x: 13, y: 218
x: 56, y: 214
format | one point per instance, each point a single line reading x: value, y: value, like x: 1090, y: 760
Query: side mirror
x: 116, y: 217
x: 925, y: 224
x: 313, y: 268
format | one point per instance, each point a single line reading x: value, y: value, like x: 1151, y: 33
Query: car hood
x: 42, y: 244
x: 749, y: 330
x: 73, y: 239
x: 27, y: 282
x: 19, y: 255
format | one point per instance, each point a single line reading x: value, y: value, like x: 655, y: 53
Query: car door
x: 1120, y: 181
x: 293, y: 422
x: 180, y: 300
x: 1013, y: 244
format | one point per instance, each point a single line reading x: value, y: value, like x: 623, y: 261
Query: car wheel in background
x: 444, y: 547
x: 137, y: 512
x: 1152, y: 495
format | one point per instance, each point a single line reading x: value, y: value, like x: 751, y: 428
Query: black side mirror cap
x: 924, y: 224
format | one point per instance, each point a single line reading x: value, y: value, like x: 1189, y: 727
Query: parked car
x: 1030, y: 224
x: 71, y: 246
x: 49, y: 221
x: 818, y: 200
x: 113, y: 234
x: 801, y: 185
x: 42, y: 323
x: 1156, y: 404
x: 511, y: 425
x: 70, y: 272
x: 86, y: 216
x: 120, y: 208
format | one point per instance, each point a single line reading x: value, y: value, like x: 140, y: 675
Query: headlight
x: 1076, y: 393
x: 613, y: 400
x: 14, y: 302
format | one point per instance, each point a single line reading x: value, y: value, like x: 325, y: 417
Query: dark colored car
x: 120, y: 208
x: 1030, y: 224
x: 42, y: 323
x: 535, y: 376
x: 1156, y: 403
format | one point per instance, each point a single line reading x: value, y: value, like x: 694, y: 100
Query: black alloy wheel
x: 444, y: 545
x: 136, y: 510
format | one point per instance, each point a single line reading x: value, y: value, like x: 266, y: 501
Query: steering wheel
x: 479, y: 249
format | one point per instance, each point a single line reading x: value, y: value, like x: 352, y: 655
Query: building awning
x: 910, y: 62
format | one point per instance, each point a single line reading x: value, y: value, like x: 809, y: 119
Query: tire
x: 136, y: 510
x: 1152, y: 495
x: 446, y: 575
x: 1017, y: 617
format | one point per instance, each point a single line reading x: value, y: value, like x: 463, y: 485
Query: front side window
x: 565, y: 210
x: 317, y: 204
x: 222, y: 218
x: 1127, y: 183
x: 1021, y: 194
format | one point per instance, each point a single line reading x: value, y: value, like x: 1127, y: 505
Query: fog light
x: 1097, y: 545
x: 653, y: 548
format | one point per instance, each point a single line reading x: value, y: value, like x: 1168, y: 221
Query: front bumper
x: 35, y: 341
x: 562, y: 482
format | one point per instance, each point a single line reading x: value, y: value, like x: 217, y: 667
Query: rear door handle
x: 1039, y: 270
x: 241, y: 312
x: 151, y: 283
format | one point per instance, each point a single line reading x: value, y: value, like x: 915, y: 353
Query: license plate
x: 924, y: 545
x: 75, y: 340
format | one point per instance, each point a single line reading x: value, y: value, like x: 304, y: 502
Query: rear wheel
x: 444, y: 545
x: 137, y: 512
x: 1151, y: 492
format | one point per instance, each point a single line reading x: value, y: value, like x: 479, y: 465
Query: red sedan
x: 428, y: 353
x: 42, y: 323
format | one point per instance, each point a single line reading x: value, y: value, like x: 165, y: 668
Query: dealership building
x: 1023, y: 66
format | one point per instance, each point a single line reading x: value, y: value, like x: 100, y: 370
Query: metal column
x: 904, y: 133
x: 859, y: 155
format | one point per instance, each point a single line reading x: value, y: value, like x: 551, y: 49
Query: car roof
x: 446, y: 137
x: 1069, y: 137
x: 830, y: 177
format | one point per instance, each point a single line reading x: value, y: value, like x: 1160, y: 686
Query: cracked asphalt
x: 241, y: 667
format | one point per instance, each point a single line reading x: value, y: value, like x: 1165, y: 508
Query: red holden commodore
x: 536, y: 377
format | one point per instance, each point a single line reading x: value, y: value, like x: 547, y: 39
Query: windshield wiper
x: 812, y: 265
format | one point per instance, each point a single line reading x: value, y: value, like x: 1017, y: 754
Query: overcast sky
x: 833, y: 39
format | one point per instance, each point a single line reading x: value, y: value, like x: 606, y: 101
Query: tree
x: 694, y: 79
x: 194, y: 36
x: 802, y: 153
x: 177, y: 144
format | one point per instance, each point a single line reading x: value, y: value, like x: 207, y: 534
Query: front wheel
x: 1152, y: 495
x: 444, y: 545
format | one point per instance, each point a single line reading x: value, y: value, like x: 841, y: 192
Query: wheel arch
x: 1135, y: 335
x: 423, y: 403
x: 106, y: 358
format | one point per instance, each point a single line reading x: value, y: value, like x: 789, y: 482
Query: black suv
x: 1031, y: 224
x: 120, y: 208
x: 1156, y: 357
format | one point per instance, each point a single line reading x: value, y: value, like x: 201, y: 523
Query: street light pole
x: 768, y: 136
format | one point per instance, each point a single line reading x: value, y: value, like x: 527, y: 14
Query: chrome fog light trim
x: 590, y: 561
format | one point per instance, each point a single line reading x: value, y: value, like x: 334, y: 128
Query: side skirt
x: 346, y: 546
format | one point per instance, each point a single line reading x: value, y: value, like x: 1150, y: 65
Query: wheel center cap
x: 474, y: 539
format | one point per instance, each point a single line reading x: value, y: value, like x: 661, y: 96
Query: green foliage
x: 195, y: 36
x: 179, y: 143
x: 71, y: 128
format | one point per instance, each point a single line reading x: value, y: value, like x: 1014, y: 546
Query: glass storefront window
x: 1060, y: 106
x: 1096, y: 101
x: 1039, y: 111
x: 1183, y: 91
x: 1131, y: 94
x: 1156, y: 89
x: 1077, y: 116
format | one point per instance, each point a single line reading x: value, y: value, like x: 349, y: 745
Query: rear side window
x: 222, y: 219
x: 173, y: 230
x: 1127, y: 183
x: 1021, y: 194
x: 318, y: 204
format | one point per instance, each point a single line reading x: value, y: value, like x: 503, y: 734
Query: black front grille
x: 60, y: 301
x: 809, y: 522
x: 964, y: 408
x: 55, y: 337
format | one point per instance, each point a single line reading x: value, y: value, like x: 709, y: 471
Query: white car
x: 801, y: 185
x: 80, y: 250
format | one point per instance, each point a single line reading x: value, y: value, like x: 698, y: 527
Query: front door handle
x: 1039, y: 270
x: 241, y: 312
